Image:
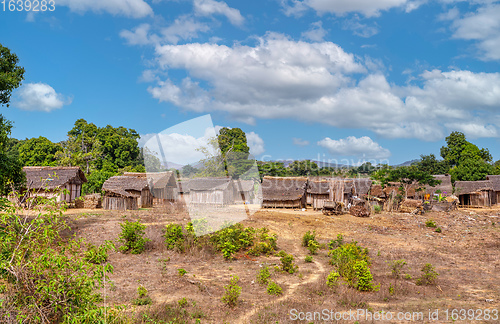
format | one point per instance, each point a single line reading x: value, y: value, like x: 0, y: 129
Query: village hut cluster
x: 143, y: 190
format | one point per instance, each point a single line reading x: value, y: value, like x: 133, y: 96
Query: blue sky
x: 382, y: 80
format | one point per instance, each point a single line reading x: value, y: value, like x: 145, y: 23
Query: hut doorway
x: 465, y: 200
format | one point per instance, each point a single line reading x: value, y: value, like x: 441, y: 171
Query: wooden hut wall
x: 146, y: 199
x: 477, y: 199
x: 214, y: 197
x: 299, y: 203
x: 120, y: 203
x: 318, y: 201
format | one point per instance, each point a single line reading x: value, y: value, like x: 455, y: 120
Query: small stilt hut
x: 127, y: 192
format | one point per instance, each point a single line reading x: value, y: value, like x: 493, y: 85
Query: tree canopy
x: 11, y: 74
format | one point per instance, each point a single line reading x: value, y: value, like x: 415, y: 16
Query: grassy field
x: 465, y: 255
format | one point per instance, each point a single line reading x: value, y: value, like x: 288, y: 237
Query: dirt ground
x: 465, y: 254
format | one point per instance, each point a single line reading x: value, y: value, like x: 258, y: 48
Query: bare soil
x: 465, y: 254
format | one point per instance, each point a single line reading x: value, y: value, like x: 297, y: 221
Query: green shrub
x: 274, y: 289
x: 263, y: 276
x: 352, y: 263
x: 98, y: 254
x: 183, y: 302
x: 287, y: 264
x: 336, y: 243
x: 281, y: 253
x: 181, y: 272
x: 396, y: 267
x: 407, y: 276
x: 438, y: 230
x: 264, y: 243
x: 132, y: 237
x: 429, y: 275
x: 174, y: 237
x: 430, y: 223
x: 308, y: 236
x: 143, y: 298
x: 232, y: 292
x: 141, y: 291
x: 377, y: 209
x: 313, y: 247
x: 333, y: 279
x: 308, y: 259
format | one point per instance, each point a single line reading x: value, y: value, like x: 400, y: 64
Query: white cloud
x: 316, y: 33
x: 139, y: 36
x: 368, y: 8
x: 363, y: 30
x: 255, y: 143
x: 299, y: 142
x: 363, y: 147
x: 474, y: 130
x: 314, y: 82
x: 483, y: 27
x: 211, y: 7
x: 39, y: 97
x: 127, y: 8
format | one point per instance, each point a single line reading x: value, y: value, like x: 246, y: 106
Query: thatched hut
x: 50, y: 182
x: 358, y: 187
x: 244, y: 191
x: 284, y: 192
x: 475, y: 193
x: 495, y: 181
x: 127, y: 192
x: 212, y: 191
x: 183, y: 190
x: 164, y: 186
x: 317, y: 193
x: 445, y: 187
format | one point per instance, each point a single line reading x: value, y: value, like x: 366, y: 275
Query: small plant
x: 132, y: 237
x: 143, y: 299
x: 174, y: 237
x: 377, y: 209
x: 396, y: 267
x: 391, y: 289
x: 438, y: 230
x: 363, y: 276
x: 313, y: 247
x: 407, y: 276
x: 287, y: 264
x: 430, y: 223
x: 274, y: 289
x: 429, y: 275
x: 232, y: 292
x: 182, y: 302
x: 181, y: 272
x: 333, y: 279
x: 98, y: 254
x: 308, y: 236
x: 263, y: 276
x: 281, y: 254
x: 308, y: 259
x: 336, y: 243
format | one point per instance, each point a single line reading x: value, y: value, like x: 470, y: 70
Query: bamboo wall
x: 318, y: 201
x: 212, y: 197
x: 146, y: 199
x: 480, y: 199
x: 120, y: 203
x: 166, y: 193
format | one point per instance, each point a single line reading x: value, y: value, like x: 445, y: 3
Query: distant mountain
x: 321, y: 164
x: 172, y: 165
x: 407, y: 163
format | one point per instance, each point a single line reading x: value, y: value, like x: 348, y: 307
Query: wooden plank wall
x: 120, y: 203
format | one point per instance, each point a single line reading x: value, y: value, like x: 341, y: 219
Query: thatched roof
x: 246, y: 185
x: 470, y: 187
x: 280, y: 188
x: 495, y: 180
x: 209, y: 184
x: 127, y: 186
x: 52, y: 177
x: 162, y: 179
x: 183, y: 186
x: 361, y: 186
x: 319, y: 187
x: 377, y: 191
x: 444, y: 186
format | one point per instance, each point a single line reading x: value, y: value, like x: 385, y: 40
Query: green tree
x: 95, y: 180
x: 471, y: 170
x: 232, y: 140
x: 458, y: 148
x: 303, y: 168
x: 273, y: 169
x: 11, y: 75
x: 188, y: 170
x: 38, y: 152
x: 11, y: 169
x: 119, y: 147
x: 429, y: 163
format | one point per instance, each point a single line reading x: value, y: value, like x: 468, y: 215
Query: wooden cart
x: 331, y: 207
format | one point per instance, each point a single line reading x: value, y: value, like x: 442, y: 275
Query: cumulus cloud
x: 39, y: 97
x: 482, y: 27
x: 211, y: 7
x: 318, y: 82
x: 127, y: 8
x: 256, y: 143
x: 358, y: 28
x: 363, y: 147
x: 316, y: 33
x: 368, y: 8
x: 299, y: 142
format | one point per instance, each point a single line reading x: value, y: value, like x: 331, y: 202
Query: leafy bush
x: 281, y: 253
x: 183, y: 302
x: 141, y: 291
x: 274, y: 289
x: 377, y: 209
x: 47, y: 278
x: 352, y: 263
x: 236, y: 237
x: 308, y: 236
x: 143, y: 298
x: 333, y: 279
x: 438, y: 230
x: 264, y: 243
x: 132, y: 237
x: 396, y: 267
x: 430, y: 223
x: 308, y: 259
x: 313, y: 247
x: 232, y: 292
x: 98, y: 254
x: 263, y: 276
x: 336, y: 243
x: 174, y: 237
x: 287, y: 264
x: 181, y: 272
x: 429, y: 275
